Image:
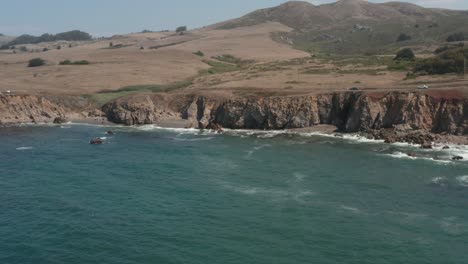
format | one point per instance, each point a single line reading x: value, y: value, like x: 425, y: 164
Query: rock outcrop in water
x: 350, y: 112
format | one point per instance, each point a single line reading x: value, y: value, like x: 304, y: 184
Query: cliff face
x: 351, y: 112
x: 26, y: 109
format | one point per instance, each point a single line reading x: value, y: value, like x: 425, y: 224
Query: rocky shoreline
x: 412, y: 117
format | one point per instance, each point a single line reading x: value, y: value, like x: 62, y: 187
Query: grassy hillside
x: 358, y: 27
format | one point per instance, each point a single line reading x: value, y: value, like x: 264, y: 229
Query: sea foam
x: 24, y: 148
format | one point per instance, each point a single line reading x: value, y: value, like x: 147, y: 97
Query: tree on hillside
x: 450, y: 61
x: 74, y: 35
x: 36, y: 62
x: 405, y: 54
x: 456, y: 37
x: 181, y: 29
x: 403, y: 37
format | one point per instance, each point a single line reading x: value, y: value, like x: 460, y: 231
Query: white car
x: 423, y: 87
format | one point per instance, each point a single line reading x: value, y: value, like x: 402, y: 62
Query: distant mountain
x: 5, y: 39
x: 357, y: 26
x: 74, y: 35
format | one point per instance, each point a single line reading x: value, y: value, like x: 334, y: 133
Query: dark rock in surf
x: 426, y: 145
x: 215, y: 126
x: 60, y: 120
x: 96, y: 141
x: 457, y: 158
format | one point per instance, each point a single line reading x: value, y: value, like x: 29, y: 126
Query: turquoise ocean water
x: 152, y: 195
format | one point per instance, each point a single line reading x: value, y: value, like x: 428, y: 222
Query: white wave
x: 439, y: 180
x: 301, y: 197
x: 256, y: 190
x: 65, y: 127
x: 156, y: 127
x: 455, y: 150
x: 361, y: 139
x: 299, y: 176
x: 24, y: 148
x: 351, y: 209
x: 453, y: 226
x: 319, y: 134
x: 408, y: 216
x: 401, y: 155
x: 463, y: 180
x: 274, y: 194
x: 193, y: 139
x: 255, y: 149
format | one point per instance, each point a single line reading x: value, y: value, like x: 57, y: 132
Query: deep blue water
x: 161, y: 196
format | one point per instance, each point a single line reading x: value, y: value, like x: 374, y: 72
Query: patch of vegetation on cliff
x: 108, y: 95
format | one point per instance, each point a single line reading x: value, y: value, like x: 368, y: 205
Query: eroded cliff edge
x: 16, y: 109
x: 439, y: 112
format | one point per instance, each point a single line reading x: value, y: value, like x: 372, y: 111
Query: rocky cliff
x: 16, y: 109
x: 436, y: 112
x: 350, y: 112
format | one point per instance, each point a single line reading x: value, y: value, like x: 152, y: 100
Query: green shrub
x: 181, y: 29
x: 405, y: 54
x: 65, y: 62
x: 399, y: 65
x: 446, y: 47
x: 403, y: 37
x: 450, y: 61
x: 118, y: 46
x: 81, y: 62
x: 456, y: 37
x: 69, y: 62
x: 36, y: 62
x: 199, y: 53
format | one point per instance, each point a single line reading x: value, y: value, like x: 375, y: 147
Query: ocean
x: 154, y: 195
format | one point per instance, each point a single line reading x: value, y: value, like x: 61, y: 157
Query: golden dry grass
x: 274, y: 68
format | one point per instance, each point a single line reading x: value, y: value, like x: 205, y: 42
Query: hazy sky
x: 107, y: 17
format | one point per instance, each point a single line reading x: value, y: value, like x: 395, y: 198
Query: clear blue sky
x: 107, y: 17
